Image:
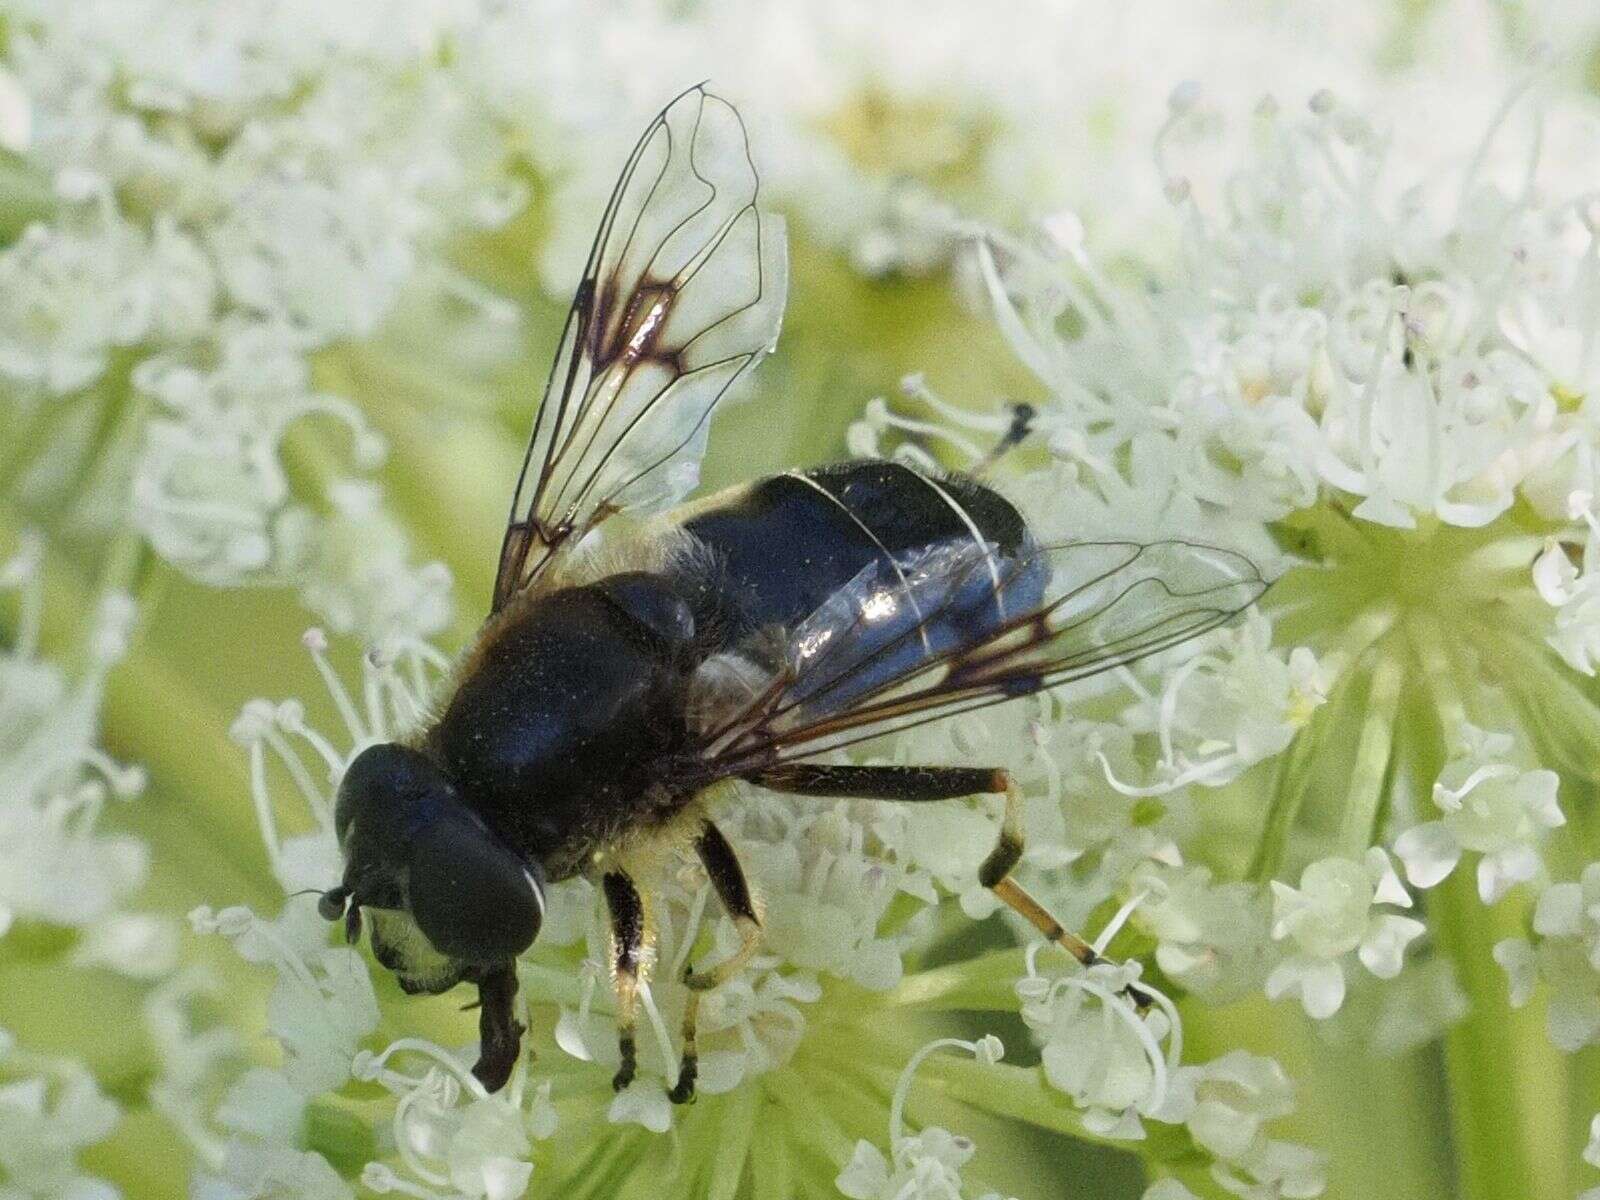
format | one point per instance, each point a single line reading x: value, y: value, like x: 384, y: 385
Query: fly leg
x: 727, y: 877
x: 499, y: 1032
x: 943, y: 783
x: 627, y: 949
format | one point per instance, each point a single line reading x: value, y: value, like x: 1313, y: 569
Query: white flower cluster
x: 1274, y: 370
x: 1564, y: 955
x: 56, y: 865
x: 60, y: 869
x: 1374, y: 371
x: 50, y: 1110
x: 1490, y: 805
x: 1124, y: 1067
x: 1327, y: 917
x: 230, y: 193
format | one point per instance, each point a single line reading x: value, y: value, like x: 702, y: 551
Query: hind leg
x: 942, y: 783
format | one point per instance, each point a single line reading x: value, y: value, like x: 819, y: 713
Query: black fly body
x: 640, y: 651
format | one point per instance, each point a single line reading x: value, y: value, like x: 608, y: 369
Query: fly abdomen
x: 784, y: 545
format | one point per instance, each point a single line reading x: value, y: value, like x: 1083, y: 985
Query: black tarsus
x: 728, y: 881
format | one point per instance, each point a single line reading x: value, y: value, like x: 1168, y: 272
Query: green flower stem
x: 1372, y: 758
x: 811, y: 1120
x: 986, y: 983
x: 1288, y: 793
x: 1437, y: 672
x: 733, y: 1145
x: 1507, y: 1084
x: 153, y: 717
x: 1561, y: 713
x: 1566, y: 858
x: 774, y: 1168
x: 679, y: 1163
x: 1378, y: 1119
x: 607, y: 1170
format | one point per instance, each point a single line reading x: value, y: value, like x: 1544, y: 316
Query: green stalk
x: 1507, y: 1083
x: 1372, y: 758
x: 153, y: 717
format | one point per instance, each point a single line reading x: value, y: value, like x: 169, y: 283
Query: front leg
x: 627, y: 949
x: 499, y: 1032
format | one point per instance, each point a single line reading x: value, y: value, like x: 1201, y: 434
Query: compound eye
x: 473, y: 898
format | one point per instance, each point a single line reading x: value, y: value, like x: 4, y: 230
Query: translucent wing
x: 682, y: 294
x: 959, y: 628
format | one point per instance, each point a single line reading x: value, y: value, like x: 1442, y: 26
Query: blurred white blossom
x: 885, y: 143
x: 1564, y: 955
x: 63, y: 870
x: 56, y: 865
x: 50, y: 1110
x: 231, y: 195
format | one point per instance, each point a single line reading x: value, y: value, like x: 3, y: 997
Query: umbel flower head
x: 1389, y: 378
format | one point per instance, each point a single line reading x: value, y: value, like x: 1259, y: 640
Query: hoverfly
x: 625, y: 671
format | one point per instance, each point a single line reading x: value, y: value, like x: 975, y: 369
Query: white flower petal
x: 1560, y: 911
x: 1516, y: 958
x: 643, y: 1103
x: 1383, y: 949
x: 1429, y: 851
x: 866, y: 1175
x: 1499, y: 872
x: 1389, y: 889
